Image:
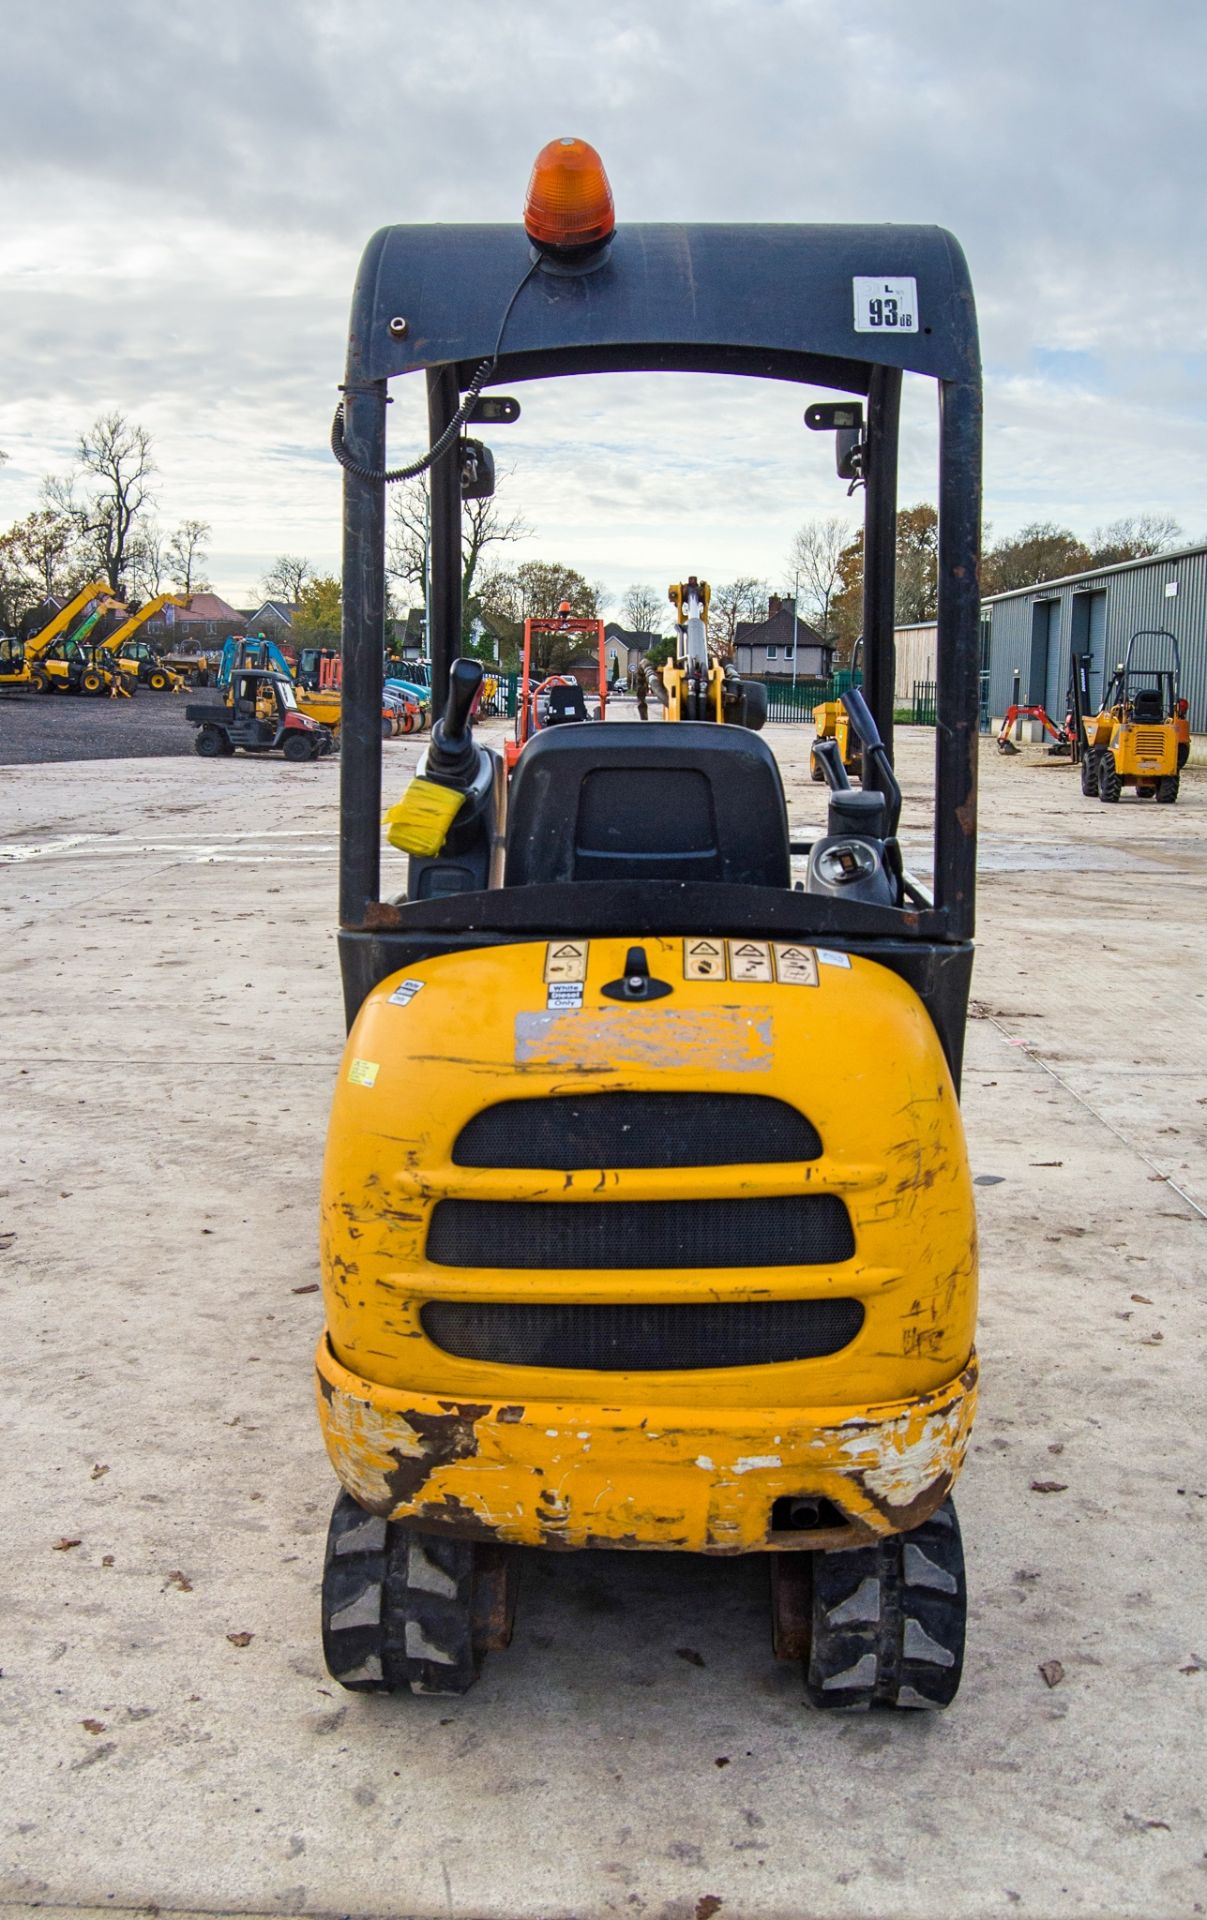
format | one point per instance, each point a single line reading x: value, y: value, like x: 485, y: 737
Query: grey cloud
x: 220, y: 170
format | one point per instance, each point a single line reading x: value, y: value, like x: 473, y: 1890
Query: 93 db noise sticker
x: 885, y: 306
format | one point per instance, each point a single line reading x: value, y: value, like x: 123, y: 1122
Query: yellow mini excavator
x: 647, y: 1219
x: 694, y: 685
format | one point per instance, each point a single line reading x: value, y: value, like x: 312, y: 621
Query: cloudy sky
x: 188, y: 190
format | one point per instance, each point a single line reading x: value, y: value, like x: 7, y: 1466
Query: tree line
x: 97, y: 522
x: 828, y: 562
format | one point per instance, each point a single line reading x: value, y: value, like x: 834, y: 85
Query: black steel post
x: 364, y: 628
x: 958, y: 660
x: 880, y: 548
x: 444, y: 611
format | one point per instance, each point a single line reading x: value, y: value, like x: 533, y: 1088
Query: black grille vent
x: 643, y: 1339
x: 781, y: 1230
x: 637, y: 1130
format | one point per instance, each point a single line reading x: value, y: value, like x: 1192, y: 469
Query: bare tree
x: 186, y: 556
x: 146, y: 560
x: 814, y: 563
x: 1136, y: 537
x: 643, y: 610
x: 743, y: 599
x: 286, y: 577
x: 484, y: 523
x: 115, y: 461
x: 407, y: 535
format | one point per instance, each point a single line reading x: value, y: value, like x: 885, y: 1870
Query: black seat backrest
x: 565, y: 703
x: 673, y: 801
x: 1147, y: 705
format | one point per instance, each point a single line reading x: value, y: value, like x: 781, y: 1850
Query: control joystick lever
x: 875, y: 757
x: 453, y: 757
x: 829, y: 758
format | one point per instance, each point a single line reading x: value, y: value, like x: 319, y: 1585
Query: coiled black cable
x: 388, y: 475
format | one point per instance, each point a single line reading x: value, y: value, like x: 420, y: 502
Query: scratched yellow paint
x: 692, y: 1459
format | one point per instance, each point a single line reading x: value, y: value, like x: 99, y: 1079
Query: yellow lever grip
x: 421, y: 820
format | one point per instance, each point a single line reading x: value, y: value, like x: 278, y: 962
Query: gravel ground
x: 36, y: 728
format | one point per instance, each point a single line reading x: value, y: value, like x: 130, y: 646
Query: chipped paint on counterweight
x: 721, y: 1039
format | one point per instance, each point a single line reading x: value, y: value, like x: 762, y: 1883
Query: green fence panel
x: 788, y: 702
x: 924, y: 703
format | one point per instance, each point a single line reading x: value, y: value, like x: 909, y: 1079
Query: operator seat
x: 1147, y: 706
x: 680, y: 801
x: 565, y: 703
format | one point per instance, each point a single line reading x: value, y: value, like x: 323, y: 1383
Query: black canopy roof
x: 772, y: 300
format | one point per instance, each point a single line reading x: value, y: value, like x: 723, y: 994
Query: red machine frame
x: 527, y: 720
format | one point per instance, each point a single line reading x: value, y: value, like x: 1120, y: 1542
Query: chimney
x: 773, y: 606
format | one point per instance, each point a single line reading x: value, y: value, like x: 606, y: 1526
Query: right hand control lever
x: 875, y: 754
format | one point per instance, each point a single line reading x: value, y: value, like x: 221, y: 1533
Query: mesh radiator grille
x: 643, y: 1339
x: 780, y: 1230
x: 637, y: 1130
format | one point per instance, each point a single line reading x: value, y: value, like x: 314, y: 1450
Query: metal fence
x: 924, y: 703
x: 787, y: 703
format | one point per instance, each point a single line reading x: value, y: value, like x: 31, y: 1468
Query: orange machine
x: 558, y: 697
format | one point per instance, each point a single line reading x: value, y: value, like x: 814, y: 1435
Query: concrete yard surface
x: 171, y: 1742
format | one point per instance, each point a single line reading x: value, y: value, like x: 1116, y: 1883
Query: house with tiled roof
x: 207, y: 619
x: 273, y: 618
x: 781, y: 647
x: 627, y: 646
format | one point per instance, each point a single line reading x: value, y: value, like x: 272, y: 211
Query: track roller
x: 881, y: 1625
x: 410, y: 1611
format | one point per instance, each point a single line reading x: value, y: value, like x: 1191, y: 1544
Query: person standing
x: 641, y: 688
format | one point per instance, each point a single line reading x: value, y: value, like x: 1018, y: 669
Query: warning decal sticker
x: 749, y: 960
x: 703, y: 959
x: 362, y: 1073
x: 795, y: 966
x: 566, y: 959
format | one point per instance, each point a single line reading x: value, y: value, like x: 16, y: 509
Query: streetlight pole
x: 795, y: 623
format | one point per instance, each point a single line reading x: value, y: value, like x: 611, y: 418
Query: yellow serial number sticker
x: 363, y: 1073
